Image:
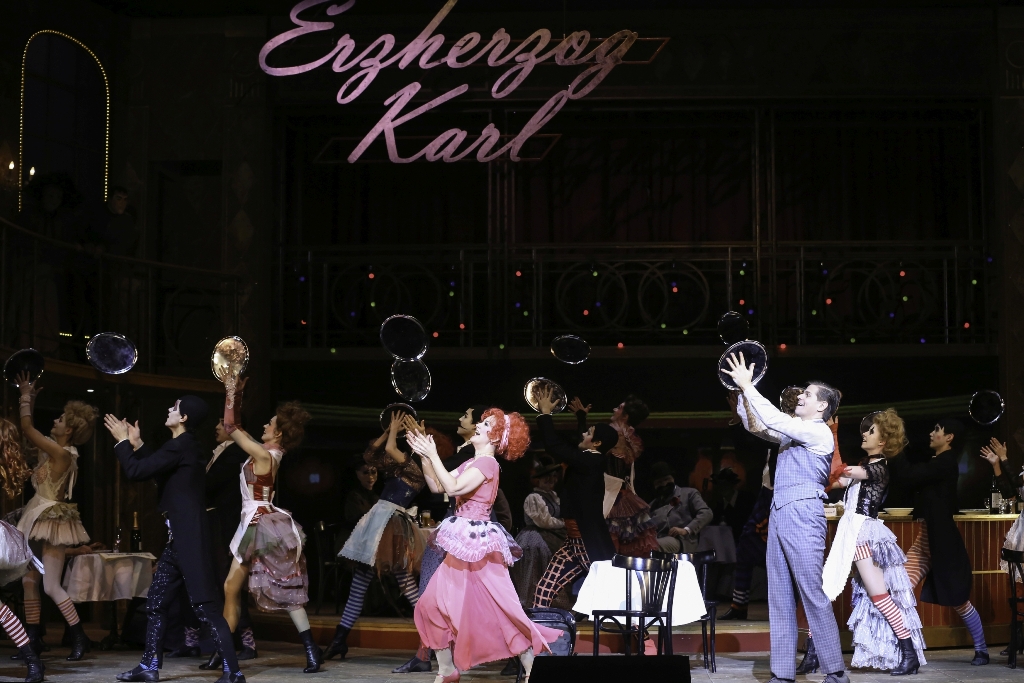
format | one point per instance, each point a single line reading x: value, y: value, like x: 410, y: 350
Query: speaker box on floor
x: 611, y: 669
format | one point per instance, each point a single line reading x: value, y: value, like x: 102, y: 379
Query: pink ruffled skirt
x: 475, y: 605
x: 474, y: 539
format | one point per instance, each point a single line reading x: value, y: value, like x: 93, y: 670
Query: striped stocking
x: 892, y: 614
x: 33, y: 611
x: 410, y: 589
x: 973, y: 623
x: 15, y: 631
x: 361, y: 578
x: 67, y: 608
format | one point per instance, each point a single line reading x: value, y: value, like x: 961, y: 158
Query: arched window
x: 65, y: 112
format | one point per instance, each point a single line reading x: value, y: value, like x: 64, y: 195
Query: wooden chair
x: 654, y: 577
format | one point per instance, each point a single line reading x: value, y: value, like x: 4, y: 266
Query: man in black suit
x: 224, y: 510
x: 587, y: 538
x: 181, y: 479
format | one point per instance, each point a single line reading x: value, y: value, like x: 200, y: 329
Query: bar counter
x: 983, y: 535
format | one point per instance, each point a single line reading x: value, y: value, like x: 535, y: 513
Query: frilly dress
x: 387, y: 537
x: 47, y: 517
x: 628, y: 516
x: 15, y: 554
x: 875, y: 644
x: 271, y: 541
x: 470, y: 600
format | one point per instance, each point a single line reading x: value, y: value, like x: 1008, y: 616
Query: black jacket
x: 583, y: 491
x: 180, y: 474
x: 934, y: 483
x: 224, y: 494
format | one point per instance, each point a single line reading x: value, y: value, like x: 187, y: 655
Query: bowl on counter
x: 976, y: 511
x: 898, y: 512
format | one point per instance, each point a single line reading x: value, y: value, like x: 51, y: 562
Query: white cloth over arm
x: 762, y: 418
x: 537, y: 510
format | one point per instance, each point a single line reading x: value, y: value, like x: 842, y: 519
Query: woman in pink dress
x: 470, y: 613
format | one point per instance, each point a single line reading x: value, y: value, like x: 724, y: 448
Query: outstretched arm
x: 262, y: 461
x: 804, y: 432
x: 29, y: 390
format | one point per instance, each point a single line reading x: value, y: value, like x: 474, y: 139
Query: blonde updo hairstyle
x: 891, y: 431
x: 80, y: 418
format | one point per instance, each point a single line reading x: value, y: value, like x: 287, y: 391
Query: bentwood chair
x: 328, y: 564
x: 560, y: 620
x: 654, y: 577
x: 1015, y: 564
x: 700, y: 561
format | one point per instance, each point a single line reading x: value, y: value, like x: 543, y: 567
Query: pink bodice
x: 477, y: 505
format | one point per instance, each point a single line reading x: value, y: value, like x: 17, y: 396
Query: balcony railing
x: 647, y: 294
x: 55, y: 295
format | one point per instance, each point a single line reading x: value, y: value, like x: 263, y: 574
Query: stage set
x: 441, y: 339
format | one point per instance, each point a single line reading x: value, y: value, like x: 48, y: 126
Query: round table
x: 605, y: 588
x: 103, y: 577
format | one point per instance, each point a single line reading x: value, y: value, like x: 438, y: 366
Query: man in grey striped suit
x: 796, y: 527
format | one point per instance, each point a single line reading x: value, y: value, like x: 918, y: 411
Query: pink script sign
x: 423, y: 49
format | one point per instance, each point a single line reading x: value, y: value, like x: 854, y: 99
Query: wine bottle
x: 135, y: 541
x: 995, y: 498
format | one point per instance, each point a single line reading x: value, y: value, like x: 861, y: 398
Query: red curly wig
x: 518, y: 433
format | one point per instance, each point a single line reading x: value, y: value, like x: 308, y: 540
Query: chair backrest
x: 654, y: 576
x: 1015, y: 563
x: 700, y: 561
x: 558, y: 619
x: 323, y: 536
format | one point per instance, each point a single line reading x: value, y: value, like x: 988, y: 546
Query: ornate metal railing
x: 55, y: 295
x: 651, y: 294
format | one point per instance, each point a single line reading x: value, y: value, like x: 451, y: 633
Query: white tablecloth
x: 719, y: 538
x: 101, y: 577
x: 605, y: 588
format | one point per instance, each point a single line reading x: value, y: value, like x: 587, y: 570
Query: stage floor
x: 283, y: 661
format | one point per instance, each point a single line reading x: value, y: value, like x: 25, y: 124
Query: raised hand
x: 422, y: 444
x: 396, y: 426
x: 26, y: 386
x: 134, y: 434
x: 117, y: 428
x: 576, y: 405
x: 542, y: 395
x: 742, y: 375
x: 410, y: 425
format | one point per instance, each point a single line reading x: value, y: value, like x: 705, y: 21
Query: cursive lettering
x: 424, y: 51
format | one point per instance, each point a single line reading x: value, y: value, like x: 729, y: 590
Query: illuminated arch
x: 21, y: 116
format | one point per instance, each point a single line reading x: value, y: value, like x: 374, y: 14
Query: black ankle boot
x: 338, y: 646
x: 980, y: 658
x: 139, y: 675
x: 214, y: 663
x: 734, y: 613
x: 810, y: 664
x: 34, y: 664
x: 314, y: 655
x: 35, y: 640
x: 80, y: 643
x: 232, y: 678
x: 414, y: 665
x: 511, y: 667
x: 909, y: 664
